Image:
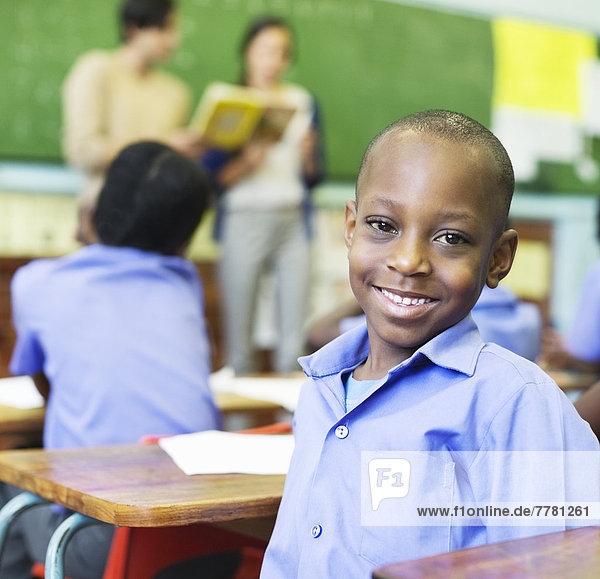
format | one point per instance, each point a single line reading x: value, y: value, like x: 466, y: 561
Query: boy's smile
x: 422, y: 241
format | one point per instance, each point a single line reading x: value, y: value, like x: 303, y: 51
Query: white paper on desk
x: 278, y: 389
x: 20, y: 392
x: 217, y: 452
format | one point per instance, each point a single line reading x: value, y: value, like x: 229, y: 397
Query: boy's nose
x: 409, y: 256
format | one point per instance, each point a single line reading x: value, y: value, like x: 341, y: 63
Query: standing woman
x: 264, y: 207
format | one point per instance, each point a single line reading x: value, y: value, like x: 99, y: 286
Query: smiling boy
x: 417, y: 390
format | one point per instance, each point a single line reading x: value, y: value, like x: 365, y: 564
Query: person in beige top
x: 114, y: 98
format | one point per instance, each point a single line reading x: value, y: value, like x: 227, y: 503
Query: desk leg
x: 13, y: 508
x: 55, y: 554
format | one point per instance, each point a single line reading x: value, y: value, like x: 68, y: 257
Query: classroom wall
x: 368, y: 62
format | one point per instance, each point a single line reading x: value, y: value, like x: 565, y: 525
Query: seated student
x: 579, y: 349
x: 499, y: 314
x: 116, y: 332
x: 504, y: 319
x: 426, y: 232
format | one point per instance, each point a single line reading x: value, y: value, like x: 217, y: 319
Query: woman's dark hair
x: 153, y: 199
x: 144, y: 14
x: 255, y: 27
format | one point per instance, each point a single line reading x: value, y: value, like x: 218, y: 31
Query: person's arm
x: 536, y: 436
x: 42, y: 384
x: 242, y: 165
x: 588, y: 406
x: 580, y: 347
x: 187, y: 142
x: 554, y: 355
x: 327, y: 327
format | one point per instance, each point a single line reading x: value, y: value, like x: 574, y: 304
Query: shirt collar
x: 345, y: 352
x: 457, y: 348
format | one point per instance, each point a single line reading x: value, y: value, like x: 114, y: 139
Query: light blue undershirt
x: 356, y: 389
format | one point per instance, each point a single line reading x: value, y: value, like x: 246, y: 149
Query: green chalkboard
x: 368, y: 62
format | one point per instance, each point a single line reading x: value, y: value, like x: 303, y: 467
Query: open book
x: 229, y: 116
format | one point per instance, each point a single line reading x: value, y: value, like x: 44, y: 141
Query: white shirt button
x: 316, y: 531
x: 341, y: 431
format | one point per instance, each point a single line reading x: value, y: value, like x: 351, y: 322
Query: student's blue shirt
x: 454, y: 394
x: 506, y: 320
x: 583, y: 338
x: 121, y: 336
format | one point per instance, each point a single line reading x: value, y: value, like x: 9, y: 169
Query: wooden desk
x: 20, y: 427
x: 568, y: 554
x: 138, y: 486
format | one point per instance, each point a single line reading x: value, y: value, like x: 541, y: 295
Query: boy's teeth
x: 405, y: 301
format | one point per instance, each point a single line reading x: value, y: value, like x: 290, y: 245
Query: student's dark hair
x: 256, y: 26
x: 153, y: 199
x: 459, y: 128
x: 144, y: 14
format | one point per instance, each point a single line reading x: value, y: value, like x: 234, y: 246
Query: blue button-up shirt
x: 453, y: 402
x: 120, y: 334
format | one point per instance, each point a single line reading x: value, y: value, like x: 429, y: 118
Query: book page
x: 274, y: 123
x: 229, y: 116
x: 20, y: 392
x: 282, y: 390
x: 217, y: 452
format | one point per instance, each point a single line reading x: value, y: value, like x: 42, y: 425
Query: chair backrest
x: 142, y: 553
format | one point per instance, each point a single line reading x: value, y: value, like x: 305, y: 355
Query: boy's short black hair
x: 144, y: 14
x: 153, y: 199
x: 459, y: 128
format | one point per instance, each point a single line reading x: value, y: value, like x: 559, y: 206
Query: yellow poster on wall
x: 537, y: 66
x: 530, y: 274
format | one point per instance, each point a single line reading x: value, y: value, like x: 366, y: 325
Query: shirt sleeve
x: 583, y: 338
x: 538, y: 451
x: 28, y: 355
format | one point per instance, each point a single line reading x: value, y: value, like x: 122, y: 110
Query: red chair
x: 142, y: 552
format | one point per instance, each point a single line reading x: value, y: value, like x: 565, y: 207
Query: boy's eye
x: 450, y: 238
x: 381, y: 225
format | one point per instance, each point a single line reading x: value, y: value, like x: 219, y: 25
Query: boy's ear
x: 502, y: 257
x: 350, y: 223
